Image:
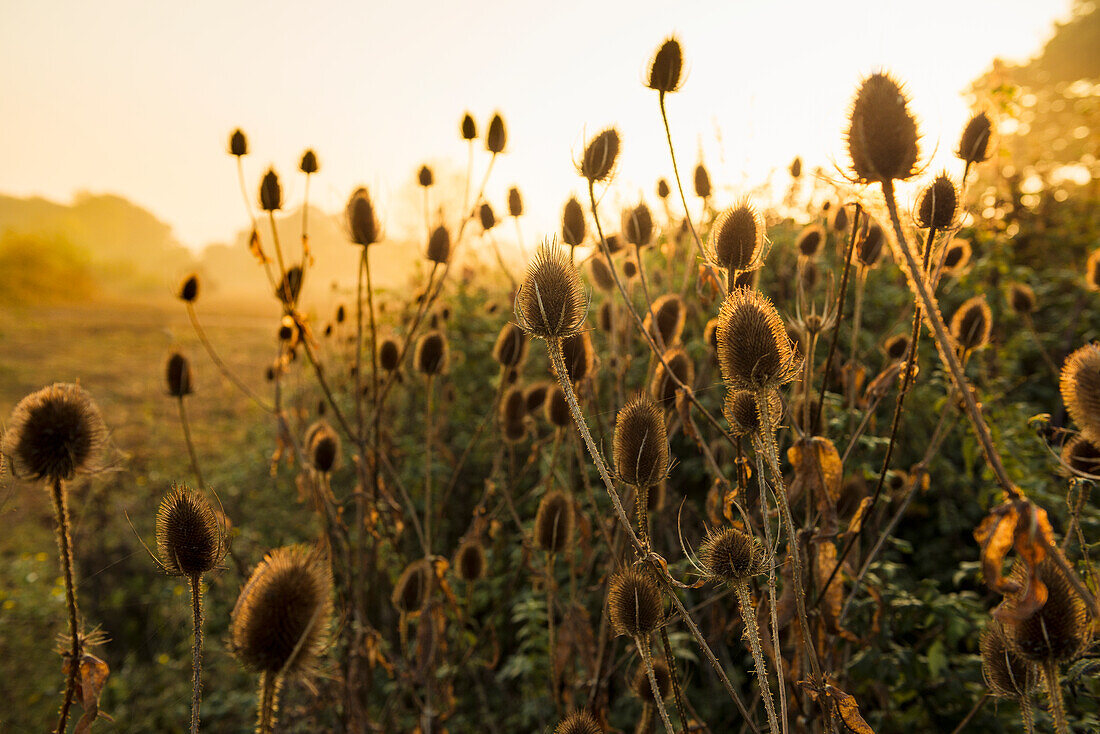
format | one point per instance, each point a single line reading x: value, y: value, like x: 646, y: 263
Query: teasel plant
x: 178, y: 374
x: 553, y: 533
x: 1007, y: 674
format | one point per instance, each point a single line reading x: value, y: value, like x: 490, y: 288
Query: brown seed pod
x: 600, y: 271
x: 737, y: 238
x: 54, y: 433
x: 603, y: 317
x: 972, y: 324
x: 424, y: 177
x: 1059, y: 630
x: 322, y: 447
x: 179, y: 375
x: 810, y: 241
x: 599, y: 156
x: 290, y: 285
x: 578, y: 722
x: 572, y: 223
x: 579, y: 355
x: 515, y: 203
x: 938, y: 204
x: 669, y: 314
x: 702, y: 182
x: 341, y: 313
x: 974, y: 143
x: 640, y: 445
x: 511, y: 346
x: 280, y: 622
x: 557, y: 408
x: 470, y: 561
x: 839, y: 219
x: 439, y: 245
x: 662, y: 189
x: 662, y: 388
x: 1021, y: 298
x: 554, y: 522
x: 363, y: 226
x: 513, y: 407
x: 431, y: 354
x: 412, y: 586
x: 741, y: 412
x: 1006, y: 674
x: 551, y: 302
x: 388, y: 354
x: 1082, y: 454
x: 488, y: 219
x: 189, y: 539
x: 309, y: 163
x: 468, y: 127
x: 754, y: 351
x: 1080, y: 387
x: 497, y: 136
x: 896, y: 346
x: 271, y: 193
x: 535, y: 396
x: 882, y: 132
x: 956, y: 257
x: 666, y: 66
x: 1092, y: 271
x: 630, y: 268
x: 634, y: 604
x: 639, y: 682
x: 731, y: 555
x: 238, y: 143
x: 638, y: 225
x: 189, y: 289
x: 869, y: 243
x: 614, y: 243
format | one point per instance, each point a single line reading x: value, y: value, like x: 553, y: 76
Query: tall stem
x: 190, y: 445
x: 674, y: 676
x: 64, y: 543
x: 270, y: 683
x: 550, y: 594
x: 773, y: 604
x: 1027, y: 715
x: 839, y: 309
x: 1054, y: 693
x: 752, y: 634
x: 643, y: 650
x: 196, y: 650
x: 861, y: 284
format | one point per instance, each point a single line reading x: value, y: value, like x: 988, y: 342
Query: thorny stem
x: 270, y: 683
x: 222, y: 366
x: 190, y: 445
x: 643, y: 650
x: 670, y: 663
x: 648, y: 303
x: 196, y: 651
x: 1054, y: 693
x: 857, y: 315
x: 64, y: 543
x: 552, y: 653
x: 773, y: 604
x: 752, y: 634
x: 839, y: 309
x: 1027, y: 715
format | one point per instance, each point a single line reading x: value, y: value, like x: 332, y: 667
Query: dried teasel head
x: 238, y: 143
x: 308, y: 164
x: 956, y: 257
x: 362, y: 222
x: 630, y: 268
x: 1081, y: 453
x: 638, y: 225
x: 634, y: 604
x: 662, y: 388
x: 639, y: 682
x: 424, y: 177
x: 972, y: 324
x: 554, y: 522
x: 535, y: 396
x: 389, y: 355
x: 896, y: 346
x: 731, y: 555
x: 487, y: 217
x: 322, y: 447
x: 178, y: 374
x: 189, y: 288
x: 666, y: 67
x: 601, y: 274
x: 640, y: 445
x: 1092, y: 271
x: 579, y: 356
x: 190, y: 542
x: 290, y: 285
x: 599, y: 156
x: 668, y: 317
x: 938, y: 204
x: 497, y: 136
x: 412, y: 586
x: 754, y: 351
x: 974, y: 143
x: 744, y: 417
x: 557, y: 408
x: 551, y: 302
x: 869, y: 243
x: 578, y: 722
x: 1080, y: 387
x: 513, y: 409
x: 271, y: 193
x: 515, y: 203
x: 1021, y: 298
x: 439, y: 245
x: 839, y: 219
x: 510, y: 348
x: 882, y: 132
x: 1006, y: 673
x: 280, y: 622
x: 1060, y: 629
x: 432, y: 354
x: 54, y: 434
x: 470, y: 561
x: 737, y: 238
x: 468, y: 128
x: 702, y: 182
x: 810, y: 241
x: 662, y: 189
x: 572, y: 223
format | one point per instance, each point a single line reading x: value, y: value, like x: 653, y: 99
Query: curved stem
x: 643, y: 650
x: 196, y: 651
x: 222, y: 366
x: 752, y: 634
x: 839, y: 309
x: 674, y: 676
x: 64, y: 542
x: 1054, y: 693
x: 190, y: 445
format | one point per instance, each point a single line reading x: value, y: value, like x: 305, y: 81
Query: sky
x: 138, y: 98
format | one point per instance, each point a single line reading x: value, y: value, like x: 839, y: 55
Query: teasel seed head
x: 439, y: 245
x: 614, y: 243
x: 388, y: 355
x: 189, y: 539
x: 731, y: 555
x: 238, y: 143
x: 839, y: 219
x: 666, y: 67
x: 869, y: 243
x: 972, y: 324
x: 363, y: 226
x: 431, y: 354
x: 974, y: 143
x: 810, y: 241
x: 487, y: 217
x: 290, y: 285
x: 578, y: 722
x: 662, y: 189
x: 551, y: 302
x: 796, y: 167
x: 54, y: 434
x: 322, y: 447
x: 412, y: 586
x: 424, y: 177
x: 572, y: 223
x: 603, y: 317
x: 882, y: 132
x: 510, y: 348
x: 280, y: 622
x: 557, y: 408
x: 896, y: 346
x: 630, y: 268
x: 634, y: 604
x: 938, y: 204
x: 513, y: 408
x: 702, y: 182
x: 639, y: 682
x: 743, y: 415
x: 1060, y: 629
x: 470, y: 561
x: 710, y: 335
x: 535, y: 396
x: 1082, y: 454
x: 271, y: 193
x: 600, y: 155
x: 178, y: 375
x: 662, y: 388
x: 1080, y: 387
x: 309, y: 163
x: 669, y: 314
x: 515, y: 203
x: 554, y: 522
x: 1021, y: 298
x: 640, y: 445
x: 754, y: 351
x: 579, y: 356
x: 1092, y: 271
x: 737, y: 238
x: 468, y: 127
x: 638, y: 225
x: 497, y: 136
x: 189, y: 289
x: 600, y: 270
x: 1006, y: 673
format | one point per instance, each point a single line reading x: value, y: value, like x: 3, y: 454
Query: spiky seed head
x: 513, y: 406
x: 666, y: 67
x: 579, y: 355
x: 290, y: 285
x: 1082, y: 454
x: 634, y: 604
x: 938, y: 203
x: 189, y: 539
x: 669, y: 315
x: 614, y: 243
x: 189, y: 288
x: 424, y: 177
x: 271, y: 193
x: 639, y: 682
x: 322, y: 447
x: 470, y: 561
x: 468, y: 127
x: 972, y: 324
x: 1080, y: 387
x: 511, y: 346
x: 882, y: 132
x: 710, y: 334
x: 309, y: 163
x: 869, y: 243
x: 1060, y: 629
x: 487, y: 217
x: 730, y: 555
x: 638, y: 225
x: 604, y: 317
x: 957, y: 256
x: 178, y: 375
x: 640, y: 446
x: 1006, y: 673
x: 535, y: 396
x: 55, y: 433
x: 341, y: 313
x: 974, y: 143
x: 412, y: 586
x: 754, y: 351
x: 630, y: 268
x: 238, y: 143
x: 839, y: 219
x: 662, y: 388
x: 1092, y: 271
x: 557, y: 408
x: 572, y: 223
x: 810, y: 241
x: 431, y: 354
x: 439, y: 245
x: 497, y: 136
x: 281, y: 619
x: 702, y: 182
x: 551, y: 302
x: 662, y: 189
x: 737, y: 238
x: 599, y: 156
x: 554, y: 522
x: 1021, y: 298
x: 578, y: 722
x: 743, y: 415
x: 363, y: 226
x: 515, y: 203
x: 896, y: 346
x: 388, y: 355
x: 601, y: 273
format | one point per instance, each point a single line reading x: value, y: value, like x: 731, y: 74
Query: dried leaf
x: 817, y: 470
x: 995, y: 535
x: 255, y: 248
x: 848, y: 710
x: 92, y: 677
x: 856, y: 523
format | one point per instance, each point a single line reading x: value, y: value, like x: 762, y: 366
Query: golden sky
x: 138, y: 98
